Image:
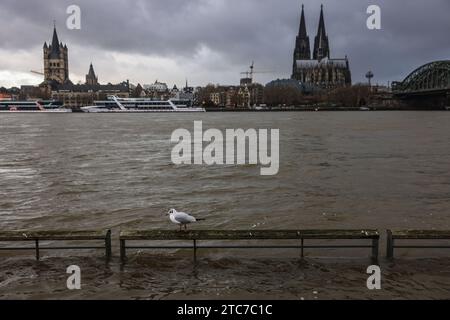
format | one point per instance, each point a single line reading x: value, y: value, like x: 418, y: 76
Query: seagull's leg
x: 185, y: 227
x: 180, y: 227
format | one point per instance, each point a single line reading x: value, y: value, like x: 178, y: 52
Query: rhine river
x: 337, y: 170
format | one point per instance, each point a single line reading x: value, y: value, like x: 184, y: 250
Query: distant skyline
x: 213, y: 41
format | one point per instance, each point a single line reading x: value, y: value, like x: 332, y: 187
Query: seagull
x: 181, y: 218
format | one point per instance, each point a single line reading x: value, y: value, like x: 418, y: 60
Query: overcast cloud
x: 212, y: 41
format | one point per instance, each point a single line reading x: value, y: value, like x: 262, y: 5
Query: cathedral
x: 56, y: 62
x: 320, y: 70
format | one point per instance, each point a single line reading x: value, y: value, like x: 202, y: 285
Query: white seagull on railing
x: 182, y: 218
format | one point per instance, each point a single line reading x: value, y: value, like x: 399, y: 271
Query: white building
x: 156, y: 87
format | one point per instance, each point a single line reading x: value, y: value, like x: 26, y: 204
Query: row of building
x: 242, y: 96
x: 316, y: 71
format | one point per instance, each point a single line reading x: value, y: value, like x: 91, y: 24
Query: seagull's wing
x: 184, y: 218
x: 172, y: 218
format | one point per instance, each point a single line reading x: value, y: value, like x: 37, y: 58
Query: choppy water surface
x: 337, y: 170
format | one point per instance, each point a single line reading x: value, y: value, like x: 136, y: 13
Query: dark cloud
x: 236, y: 31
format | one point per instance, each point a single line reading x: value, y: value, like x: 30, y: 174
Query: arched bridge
x: 430, y: 79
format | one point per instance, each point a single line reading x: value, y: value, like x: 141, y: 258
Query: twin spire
x: 321, y: 45
x: 302, y: 32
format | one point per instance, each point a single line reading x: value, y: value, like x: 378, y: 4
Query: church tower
x: 302, y: 48
x: 91, y: 78
x: 56, y: 62
x: 321, y: 45
x: 321, y: 72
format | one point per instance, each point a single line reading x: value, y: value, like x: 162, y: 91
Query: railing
x: 37, y: 237
x: 195, y: 237
x: 238, y: 235
x: 394, y: 235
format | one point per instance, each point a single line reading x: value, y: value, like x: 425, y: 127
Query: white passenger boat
x: 32, y: 107
x: 140, y: 105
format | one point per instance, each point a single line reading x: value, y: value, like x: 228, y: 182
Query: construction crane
x: 249, y: 74
x: 37, y: 72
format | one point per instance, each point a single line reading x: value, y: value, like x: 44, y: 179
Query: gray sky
x: 212, y: 41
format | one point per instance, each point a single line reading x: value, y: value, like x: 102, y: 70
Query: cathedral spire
x: 302, y: 32
x: 321, y: 29
x: 302, y: 47
x: 321, y: 45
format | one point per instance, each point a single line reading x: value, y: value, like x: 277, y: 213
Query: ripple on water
x: 336, y: 170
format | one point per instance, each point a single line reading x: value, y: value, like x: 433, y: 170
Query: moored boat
x: 32, y: 106
x: 140, y: 105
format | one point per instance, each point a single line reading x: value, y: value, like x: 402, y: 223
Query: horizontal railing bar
x: 421, y: 239
x: 245, y: 247
x: 204, y: 235
x: 52, y: 248
x: 247, y: 240
x: 49, y: 239
x: 69, y: 248
x: 11, y: 249
x: 424, y: 247
x: 139, y: 238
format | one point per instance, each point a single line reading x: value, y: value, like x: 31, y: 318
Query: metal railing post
x: 390, y: 245
x: 302, y: 249
x: 37, y: 249
x: 108, y: 245
x: 195, y: 250
x: 375, y: 247
x: 122, y: 250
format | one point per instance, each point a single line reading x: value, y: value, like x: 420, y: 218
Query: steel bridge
x: 429, y: 83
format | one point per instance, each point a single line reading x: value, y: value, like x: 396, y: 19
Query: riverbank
x: 321, y: 109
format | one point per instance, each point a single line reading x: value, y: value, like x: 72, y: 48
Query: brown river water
x: 337, y: 170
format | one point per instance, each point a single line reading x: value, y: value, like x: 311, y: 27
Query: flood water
x: 337, y: 170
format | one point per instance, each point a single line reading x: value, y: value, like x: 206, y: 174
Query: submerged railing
x: 229, y: 239
x: 37, y: 237
x: 301, y: 236
x: 393, y: 236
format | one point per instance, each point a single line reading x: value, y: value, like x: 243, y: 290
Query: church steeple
x: 55, y: 44
x: 321, y: 30
x: 91, y: 70
x: 302, y: 32
x: 56, y: 61
x: 321, y: 45
x: 91, y: 77
x: 302, y: 47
